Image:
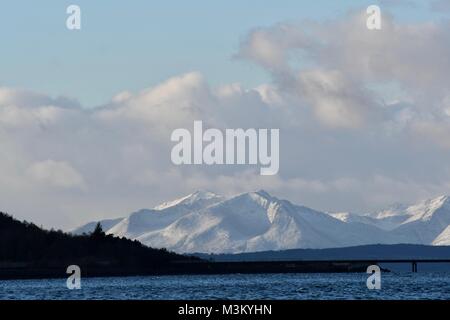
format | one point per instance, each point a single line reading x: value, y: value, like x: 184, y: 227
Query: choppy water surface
x: 267, y: 286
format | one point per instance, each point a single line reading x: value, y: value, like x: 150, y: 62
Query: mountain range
x: 204, y: 222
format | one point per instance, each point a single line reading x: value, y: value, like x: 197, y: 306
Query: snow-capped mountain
x: 427, y: 221
x: 256, y: 221
x: 145, y: 221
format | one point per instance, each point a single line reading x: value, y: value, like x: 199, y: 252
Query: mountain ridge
x: 257, y: 221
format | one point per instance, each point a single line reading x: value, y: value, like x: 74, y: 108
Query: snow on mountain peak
x: 256, y: 221
x: 262, y: 199
x: 441, y: 201
x: 263, y: 193
x: 443, y: 239
x: 191, y: 199
x: 425, y: 210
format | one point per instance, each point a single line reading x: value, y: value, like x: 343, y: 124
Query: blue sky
x: 134, y: 45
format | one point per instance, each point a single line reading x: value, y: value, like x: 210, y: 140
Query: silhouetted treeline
x: 27, y: 251
x: 27, y: 244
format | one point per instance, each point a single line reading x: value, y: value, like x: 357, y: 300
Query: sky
x: 134, y: 46
x: 86, y: 116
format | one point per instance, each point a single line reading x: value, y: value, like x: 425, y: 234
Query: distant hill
x: 29, y: 251
x: 368, y: 252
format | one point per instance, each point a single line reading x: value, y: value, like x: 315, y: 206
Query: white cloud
x: 175, y: 102
x: 17, y: 117
x: 55, y: 174
x: 337, y: 102
x: 342, y: 60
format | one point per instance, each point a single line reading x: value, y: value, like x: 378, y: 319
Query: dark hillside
x: 24, y: 247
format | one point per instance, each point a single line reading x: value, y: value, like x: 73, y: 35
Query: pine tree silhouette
x: 98, y: 231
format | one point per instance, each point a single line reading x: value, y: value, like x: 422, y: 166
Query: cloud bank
x: 364, y: 121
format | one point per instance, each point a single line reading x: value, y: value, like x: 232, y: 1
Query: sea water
x: 432, y: 285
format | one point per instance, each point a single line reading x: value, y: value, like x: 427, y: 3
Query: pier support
x: 414, y: 266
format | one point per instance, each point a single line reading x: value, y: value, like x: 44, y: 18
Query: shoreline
x: 188, y: 268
